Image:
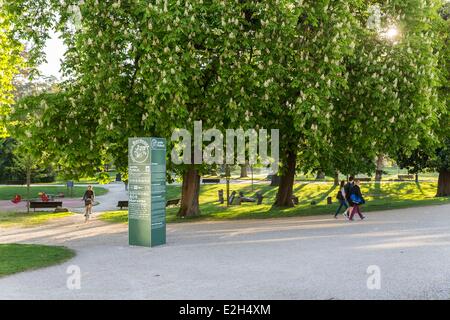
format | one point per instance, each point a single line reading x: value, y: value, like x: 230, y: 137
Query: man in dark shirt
x: 348, y: 188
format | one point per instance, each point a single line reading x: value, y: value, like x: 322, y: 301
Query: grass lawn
x: 8, y: 192
x: 14, y: 219
x: 378, y: 196
x: 21, y: 257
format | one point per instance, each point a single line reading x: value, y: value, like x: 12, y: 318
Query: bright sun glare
x: 392, y: 33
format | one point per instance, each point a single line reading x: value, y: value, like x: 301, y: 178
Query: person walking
x: 341, y: 196
x: 88, y: 199
x: 348, y: 186
x: 356, y: 199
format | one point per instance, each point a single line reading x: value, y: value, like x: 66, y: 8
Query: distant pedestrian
x: 88, y: 199
x: 341, y: 196
x: 356, y: 200
x: 348, y: 186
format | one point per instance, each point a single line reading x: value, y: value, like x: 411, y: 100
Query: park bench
x: 238, y: 199
x: 364, y: 179
x: 211, y: 180
x: 49, y: 204
x: 172, y: 202
x: 403, y: 177
x: 122, y: 204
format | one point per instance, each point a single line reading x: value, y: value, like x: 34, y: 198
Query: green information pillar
x: 146, y: 191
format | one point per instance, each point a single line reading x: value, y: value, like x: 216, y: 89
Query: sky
x: 54, y: 51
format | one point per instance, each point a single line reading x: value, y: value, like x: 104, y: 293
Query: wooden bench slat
x: 49, y: 204
x: 173, y: 202
x: 40, y: 205
x: 211, y: 180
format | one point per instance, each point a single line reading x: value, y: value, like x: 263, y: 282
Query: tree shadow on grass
x: 419, y: 187
x: 299, y: 187
x: 317, y: 198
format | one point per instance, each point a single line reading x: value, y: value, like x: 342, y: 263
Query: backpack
x: 339, y: 195
x: 355, y: 198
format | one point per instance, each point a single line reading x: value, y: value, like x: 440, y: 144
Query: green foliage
x: 314, y: 78
x: 339, y: 92
x: 14, y: 165
x: 10, y: 63
x: 435, y: 156
x: 7, y: 146
x: 392, y: 103
x: 53, y: 130
x: 442, y: 159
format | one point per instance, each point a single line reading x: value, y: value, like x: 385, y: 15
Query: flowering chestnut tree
x: 140, y: 68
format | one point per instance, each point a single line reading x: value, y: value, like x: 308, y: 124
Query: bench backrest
x: 49, y: 204
x: 211, y: 180
x: 172, y: 202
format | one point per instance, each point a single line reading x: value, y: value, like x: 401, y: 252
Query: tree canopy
x: 10, y: 64
x: 341, y: 90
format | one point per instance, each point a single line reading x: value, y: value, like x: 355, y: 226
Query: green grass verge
x: 8, y: 192
x: 379, y: 197
x: 22, y: 257
x: 13, y: 219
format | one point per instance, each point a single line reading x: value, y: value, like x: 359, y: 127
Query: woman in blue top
x: 356, y: 199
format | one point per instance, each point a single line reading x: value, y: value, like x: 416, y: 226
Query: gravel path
x: 289, y: 258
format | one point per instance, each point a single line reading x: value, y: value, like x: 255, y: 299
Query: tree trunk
x: 244, y: 171
x: 28, y: 182
x: 190, y: 191
x: 443, y: 184
x: 379, y: 170
x: 336, y: 178
x: 417, y: 177
x: 284, y: 195
x: 28, y: 187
